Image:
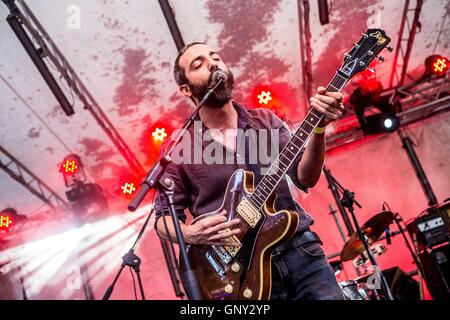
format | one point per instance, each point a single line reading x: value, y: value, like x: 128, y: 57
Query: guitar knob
x: 235, y: 267
x: 247, y: 293
x: 380, y: 58
x: 389, y: 49
x: 228, y: 288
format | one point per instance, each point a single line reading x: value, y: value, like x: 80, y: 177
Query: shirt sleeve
x: 180, y: 194
x: 285, y: 136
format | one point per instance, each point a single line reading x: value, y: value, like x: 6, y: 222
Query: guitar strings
x: 337, y: 83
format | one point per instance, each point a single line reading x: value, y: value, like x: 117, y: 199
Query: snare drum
x: 352, y: 291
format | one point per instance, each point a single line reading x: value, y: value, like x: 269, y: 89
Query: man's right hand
x: 212, y: 230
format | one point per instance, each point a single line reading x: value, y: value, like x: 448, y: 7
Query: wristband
x: 319, y: 130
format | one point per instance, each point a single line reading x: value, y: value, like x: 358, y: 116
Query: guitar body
x: 245, y: 274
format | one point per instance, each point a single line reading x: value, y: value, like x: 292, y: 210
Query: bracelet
x: 319, y: 130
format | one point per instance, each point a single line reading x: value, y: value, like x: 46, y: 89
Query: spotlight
x: 72, y: 170
x: 264, y: 97
x: 381, y: 123
x: 9, y: 219
x: 388, y: 123
x: 159, y: 134
x: 436, y: 65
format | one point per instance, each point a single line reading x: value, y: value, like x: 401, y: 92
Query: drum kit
x: 373, y: 229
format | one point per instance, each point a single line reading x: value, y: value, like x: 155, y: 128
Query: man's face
x: 198, y: 62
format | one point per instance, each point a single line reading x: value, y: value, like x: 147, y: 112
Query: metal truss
x: 29, y: 180
x: 419, y: 101
x: 51, y: 52
x: 408, y: 30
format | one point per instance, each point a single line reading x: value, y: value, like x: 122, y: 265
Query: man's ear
x: 185, y: 90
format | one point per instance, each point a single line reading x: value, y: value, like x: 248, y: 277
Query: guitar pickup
x: 250, y: 214
x: 223, y: 254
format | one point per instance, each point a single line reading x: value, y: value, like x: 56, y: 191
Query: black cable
x: 134, y: 284
x: 173, y: 256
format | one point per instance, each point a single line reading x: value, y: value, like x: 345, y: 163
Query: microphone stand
x: 397, y: 219
x: 156, y: 179
x: 347, y: 201
x: 131, y: 260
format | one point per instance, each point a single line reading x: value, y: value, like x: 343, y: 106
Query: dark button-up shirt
x: 200, y: 183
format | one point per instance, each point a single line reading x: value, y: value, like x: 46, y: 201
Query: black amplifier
x: 433, y: 228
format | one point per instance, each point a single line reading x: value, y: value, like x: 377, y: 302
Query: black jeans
x: 301, y: 271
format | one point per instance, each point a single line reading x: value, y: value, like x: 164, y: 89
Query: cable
x: 442, y: 27
x: 35, y: 113
x: 134, y: 283
x: 88, y: 171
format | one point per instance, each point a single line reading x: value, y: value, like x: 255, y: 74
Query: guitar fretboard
x: 292, y: 149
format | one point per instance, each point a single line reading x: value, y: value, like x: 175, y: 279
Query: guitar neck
x: 292, y: 149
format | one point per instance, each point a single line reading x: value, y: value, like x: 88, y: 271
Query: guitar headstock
x: 372, y: 42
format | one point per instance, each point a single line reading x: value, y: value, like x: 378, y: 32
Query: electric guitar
x: 243, y: 272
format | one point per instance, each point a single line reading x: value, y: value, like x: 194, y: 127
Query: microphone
x: 219, y: 75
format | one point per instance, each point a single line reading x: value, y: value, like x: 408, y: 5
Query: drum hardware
x: 353, y: 290
x: 373, y: 229
x: 377, y: 250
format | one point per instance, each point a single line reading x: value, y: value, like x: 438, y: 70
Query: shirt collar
x: 245, y: 118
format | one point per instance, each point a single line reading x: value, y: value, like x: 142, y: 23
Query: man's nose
x: 212, y: 65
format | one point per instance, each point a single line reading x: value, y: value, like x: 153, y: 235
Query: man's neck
x: 219, y: 118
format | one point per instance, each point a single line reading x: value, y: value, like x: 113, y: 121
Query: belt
x: 298, y: 240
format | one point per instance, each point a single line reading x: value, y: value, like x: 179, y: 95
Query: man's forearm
x: 170, y: 233
x: 310, y: 167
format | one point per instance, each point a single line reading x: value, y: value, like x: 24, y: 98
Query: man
x: 300, y: 269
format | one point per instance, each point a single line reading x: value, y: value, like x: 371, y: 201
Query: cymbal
x: 373, y: 229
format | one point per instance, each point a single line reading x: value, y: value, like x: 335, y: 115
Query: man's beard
x: 220, y: 96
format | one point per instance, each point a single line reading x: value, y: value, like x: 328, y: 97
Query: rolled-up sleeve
x: 180, y: 194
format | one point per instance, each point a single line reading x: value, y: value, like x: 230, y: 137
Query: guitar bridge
x: 233, y: 250
x: 250, y: 214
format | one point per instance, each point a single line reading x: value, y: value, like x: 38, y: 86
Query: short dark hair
x: 178, y: 71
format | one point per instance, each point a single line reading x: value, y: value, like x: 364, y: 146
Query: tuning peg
x: 380, y: 58
x: 389, y: 49
x: 371, y: 69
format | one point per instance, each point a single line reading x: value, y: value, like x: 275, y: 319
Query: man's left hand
x: 329, y: 104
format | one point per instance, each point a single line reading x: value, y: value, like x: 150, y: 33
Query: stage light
x: 264, y: 97
x: 6, y: 221
x: 10, y: 220
x: 381, y: 123
x: 159, y: 134
x: 70, y: 167
x: 128, y: 188
x: 47, y: 262
x: 437, y: 65
x: 72, y: 170
x: 388, y: 123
